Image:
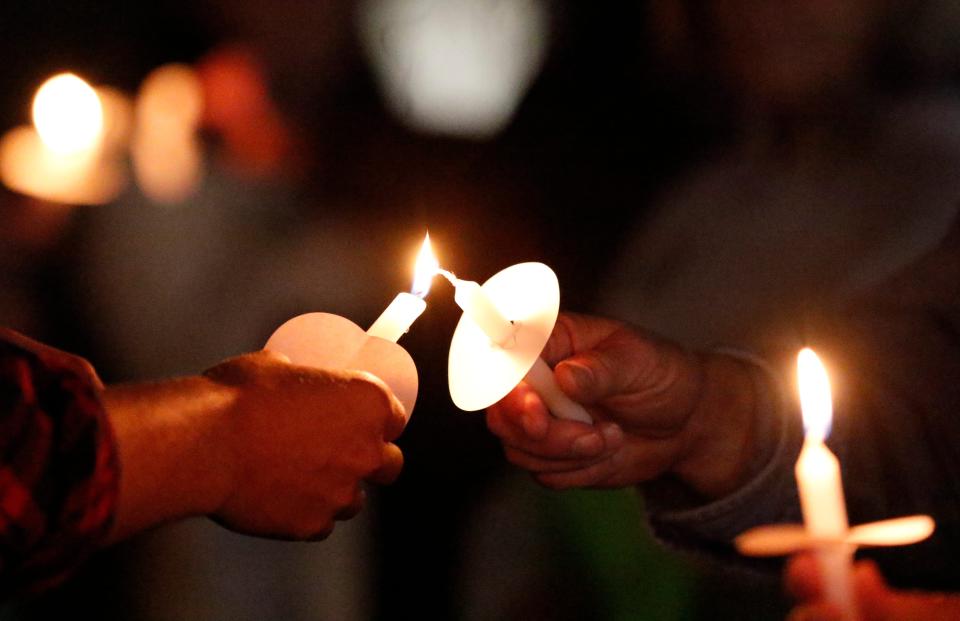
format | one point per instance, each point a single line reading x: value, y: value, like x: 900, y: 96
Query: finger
x: 270, y: 355
x: 611, y: 370
x: 594, y: 475
x: 539, y: 465
x: 563, y: 440
x: 392, y: 464
x: 397, y: 416
x: 802, y: 578
x: 874, y: 597
x: 355, y: 506
x: 318, y: 535
x: 521, y: 412
x: 819, y: 611
x: 396, y: 420
x: 373, y: 394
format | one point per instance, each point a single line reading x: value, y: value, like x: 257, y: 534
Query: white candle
x: 398, y: 317
x: 820, y: 485
x: 406, y: 307
x: 480, y: 309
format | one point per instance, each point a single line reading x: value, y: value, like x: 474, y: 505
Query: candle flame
x: 815, y: 400
x: 425, y: 269
x: 68, y: 114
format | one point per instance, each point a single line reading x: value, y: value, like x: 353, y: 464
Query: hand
x: 875, y: 600
x: 263, y: 446
x: 303, y: 440
x: 658, y: 409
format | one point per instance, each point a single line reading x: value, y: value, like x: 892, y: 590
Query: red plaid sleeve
x: 58, y: 464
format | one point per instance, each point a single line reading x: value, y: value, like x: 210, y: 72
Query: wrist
x: 175, y: 457
x: 720, y: 442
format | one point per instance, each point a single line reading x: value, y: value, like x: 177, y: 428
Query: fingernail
x: 587, y: 446
x: 582, y: 375
x: 612, y: 434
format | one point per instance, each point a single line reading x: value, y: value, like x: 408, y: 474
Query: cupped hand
x: 658, y: 408
x: 303, y: 440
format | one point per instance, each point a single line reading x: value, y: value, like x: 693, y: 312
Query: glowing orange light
x: 68, y: 114
x: 425, y: 269
x: 171, y: 95
x: 167, y: 158
x: 815, y: 399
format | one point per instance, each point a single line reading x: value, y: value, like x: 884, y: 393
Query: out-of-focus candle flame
x: 425, y: 269
x: 815, y: 400
x: 170, y: 99
x: 167, y: 157
x: 117, y: 119
x: 68, y: 114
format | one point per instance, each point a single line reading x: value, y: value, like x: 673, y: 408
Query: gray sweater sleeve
x: 894, y: 360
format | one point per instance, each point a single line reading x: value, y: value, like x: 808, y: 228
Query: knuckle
x: 320, y: 533
x: 494, y: 418
x: 371, y: 392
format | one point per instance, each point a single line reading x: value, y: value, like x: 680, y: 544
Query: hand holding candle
x: 820, y: 484
x: 825, y: 529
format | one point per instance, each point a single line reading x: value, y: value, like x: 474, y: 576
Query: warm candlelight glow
x: 898, y: 531
x: 458, y: 67
x: 825, y: 527
x: 167, y: 158
x: 68, y: 114
x: 170, y: 99
x: 815, y: 399
x: 425, y: 269
x: 406, y: 307
x: 117, y: 119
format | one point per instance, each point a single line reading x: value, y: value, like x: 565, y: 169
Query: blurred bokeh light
x: 67, y: 114
x: 457, y: 67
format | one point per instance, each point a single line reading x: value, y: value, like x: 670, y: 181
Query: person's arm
x: 260, y: 445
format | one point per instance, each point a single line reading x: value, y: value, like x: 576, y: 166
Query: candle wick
x: 449, y: 276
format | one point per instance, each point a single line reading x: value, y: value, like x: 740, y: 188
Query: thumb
x: 588, y: 378
x: 873, y: 595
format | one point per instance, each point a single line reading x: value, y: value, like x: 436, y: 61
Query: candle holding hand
x: 505, y: 325
x: 825, y: 529
x: 330, y: 341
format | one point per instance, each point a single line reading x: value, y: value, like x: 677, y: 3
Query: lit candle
x: 482, y: 311
x: 820, y: 486
x: 60, y: 157
x: 406, y: 307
